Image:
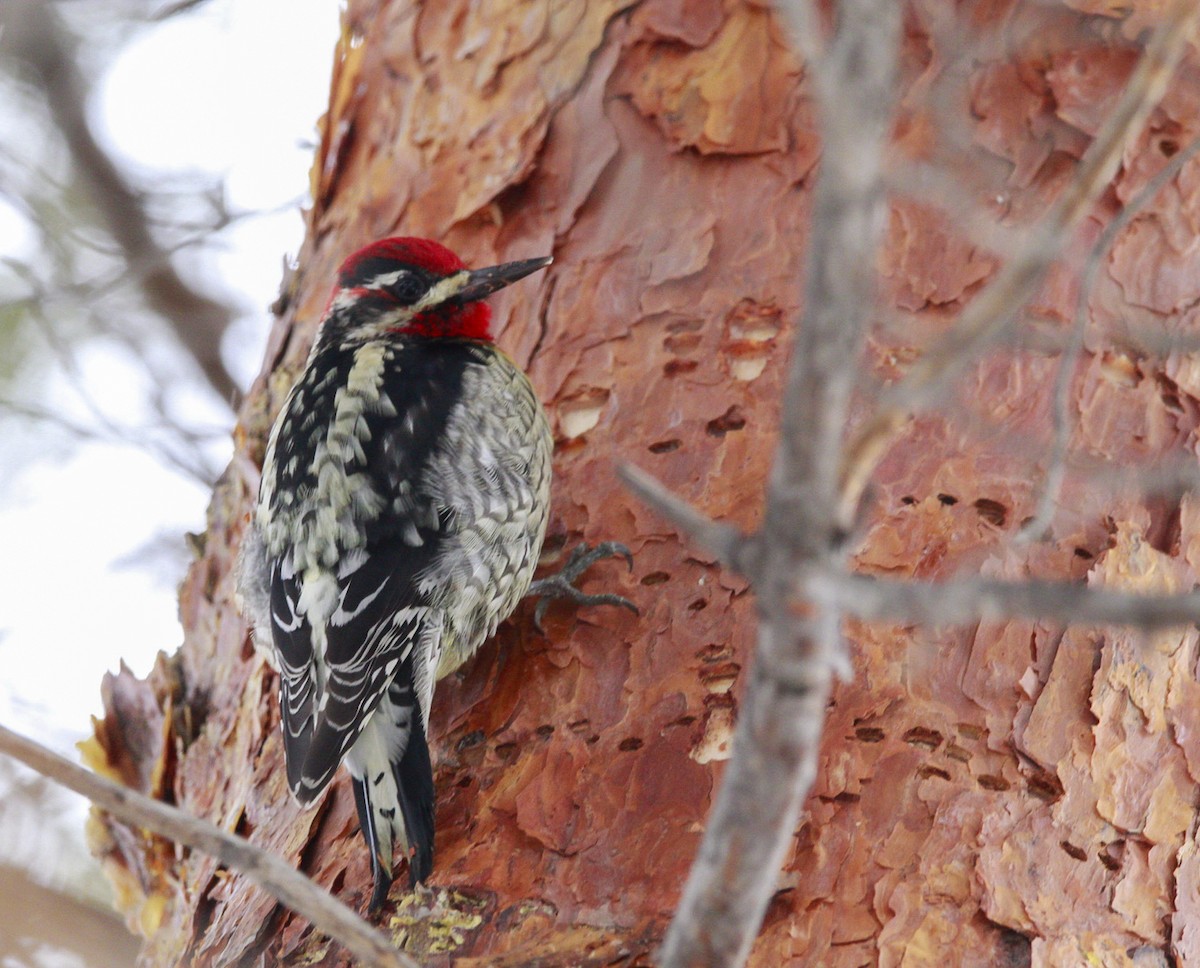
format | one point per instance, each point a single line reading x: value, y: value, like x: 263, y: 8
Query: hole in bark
x: 1045, y: 786
x: 545, y: 731
x: 473, y: 738
x: 675, y: 367
x: 720, y: 679
x: 1168, y: 147
x: 629, y: 744
x: 683, y: 721
x: 579, y: 726
x: 1072, y: 851
x: 581, y: 412
x: 664, y: 446
x: 748, y: 367
x: 656, y: 578
x: 992, y: 511
x: 921, y: 736
x: 1108, y: 855
x: 997, y: 784
x: 463, y: 783
x: 956, y: 752
x: 1084, y: 553
x: 949, y: 500
x: 699, y: 605
x: 870, y: 734
x: 713, y: 653
x: 925, y: 772
x: 753, y: 322
x: 908, y: 500
x: 506, y: 751
x: 732, y: 419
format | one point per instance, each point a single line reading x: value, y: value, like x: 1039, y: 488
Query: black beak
x: 484, y: 282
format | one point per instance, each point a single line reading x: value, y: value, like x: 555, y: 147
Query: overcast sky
x: 93, y: 533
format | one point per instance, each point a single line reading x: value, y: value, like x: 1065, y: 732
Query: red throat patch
x: 471, y: 321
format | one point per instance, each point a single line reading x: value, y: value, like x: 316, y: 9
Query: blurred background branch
x: 35, y: 36
x: 151, y: 175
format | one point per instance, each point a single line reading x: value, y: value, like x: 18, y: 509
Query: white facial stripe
x: 444, y: 290
x: 398, y: 317
x: 388, y: 279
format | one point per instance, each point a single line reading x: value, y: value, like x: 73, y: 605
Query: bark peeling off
x: 977, y: 790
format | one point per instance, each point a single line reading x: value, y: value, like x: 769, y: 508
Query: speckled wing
x: 380, y: 621
x: 348, y: 614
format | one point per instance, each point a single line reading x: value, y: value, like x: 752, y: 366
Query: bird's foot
x: 562, y: 584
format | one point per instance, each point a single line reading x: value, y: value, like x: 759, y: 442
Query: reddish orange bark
x: 1001, y: 792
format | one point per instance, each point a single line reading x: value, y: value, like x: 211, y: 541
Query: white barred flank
x: 493, y: 473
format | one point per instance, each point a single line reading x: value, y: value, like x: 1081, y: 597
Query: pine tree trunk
x: 1000, y: 794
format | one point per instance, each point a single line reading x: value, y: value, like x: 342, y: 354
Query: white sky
x: 233, y: 89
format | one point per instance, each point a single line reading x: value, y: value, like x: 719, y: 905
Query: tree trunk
x: 1000, y: 794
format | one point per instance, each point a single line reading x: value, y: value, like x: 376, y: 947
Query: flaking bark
x: 1006, y: 790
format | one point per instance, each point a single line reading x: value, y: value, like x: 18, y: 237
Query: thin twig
x: 326, y: 913
x: 1046, y: 336
x: 774, y: 756
x: 970, y: 600
x: 1056, y: 467
x: 935, y: 187
x: 188, y: 457
x: 999, y: 303
x: 723, y: 540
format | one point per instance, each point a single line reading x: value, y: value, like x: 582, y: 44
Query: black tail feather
x: 414, y: 781
x: 381, y: 869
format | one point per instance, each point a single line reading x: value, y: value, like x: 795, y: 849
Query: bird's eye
x: 406, y: 289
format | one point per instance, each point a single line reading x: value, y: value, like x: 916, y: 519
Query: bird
x: 401, y: 511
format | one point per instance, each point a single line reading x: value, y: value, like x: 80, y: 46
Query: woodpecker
x: 401, y: 511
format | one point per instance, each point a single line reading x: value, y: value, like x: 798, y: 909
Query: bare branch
x: 993, y: 309
x: 723, y: 540
x: 289, y: 886
x: 197, y: 320
x: 774, y: 757
x: 1056, y: 468
x: 969, y: 600
x: 934, y: 186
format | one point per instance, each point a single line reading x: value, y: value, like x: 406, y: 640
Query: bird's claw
x: 562, y: 584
